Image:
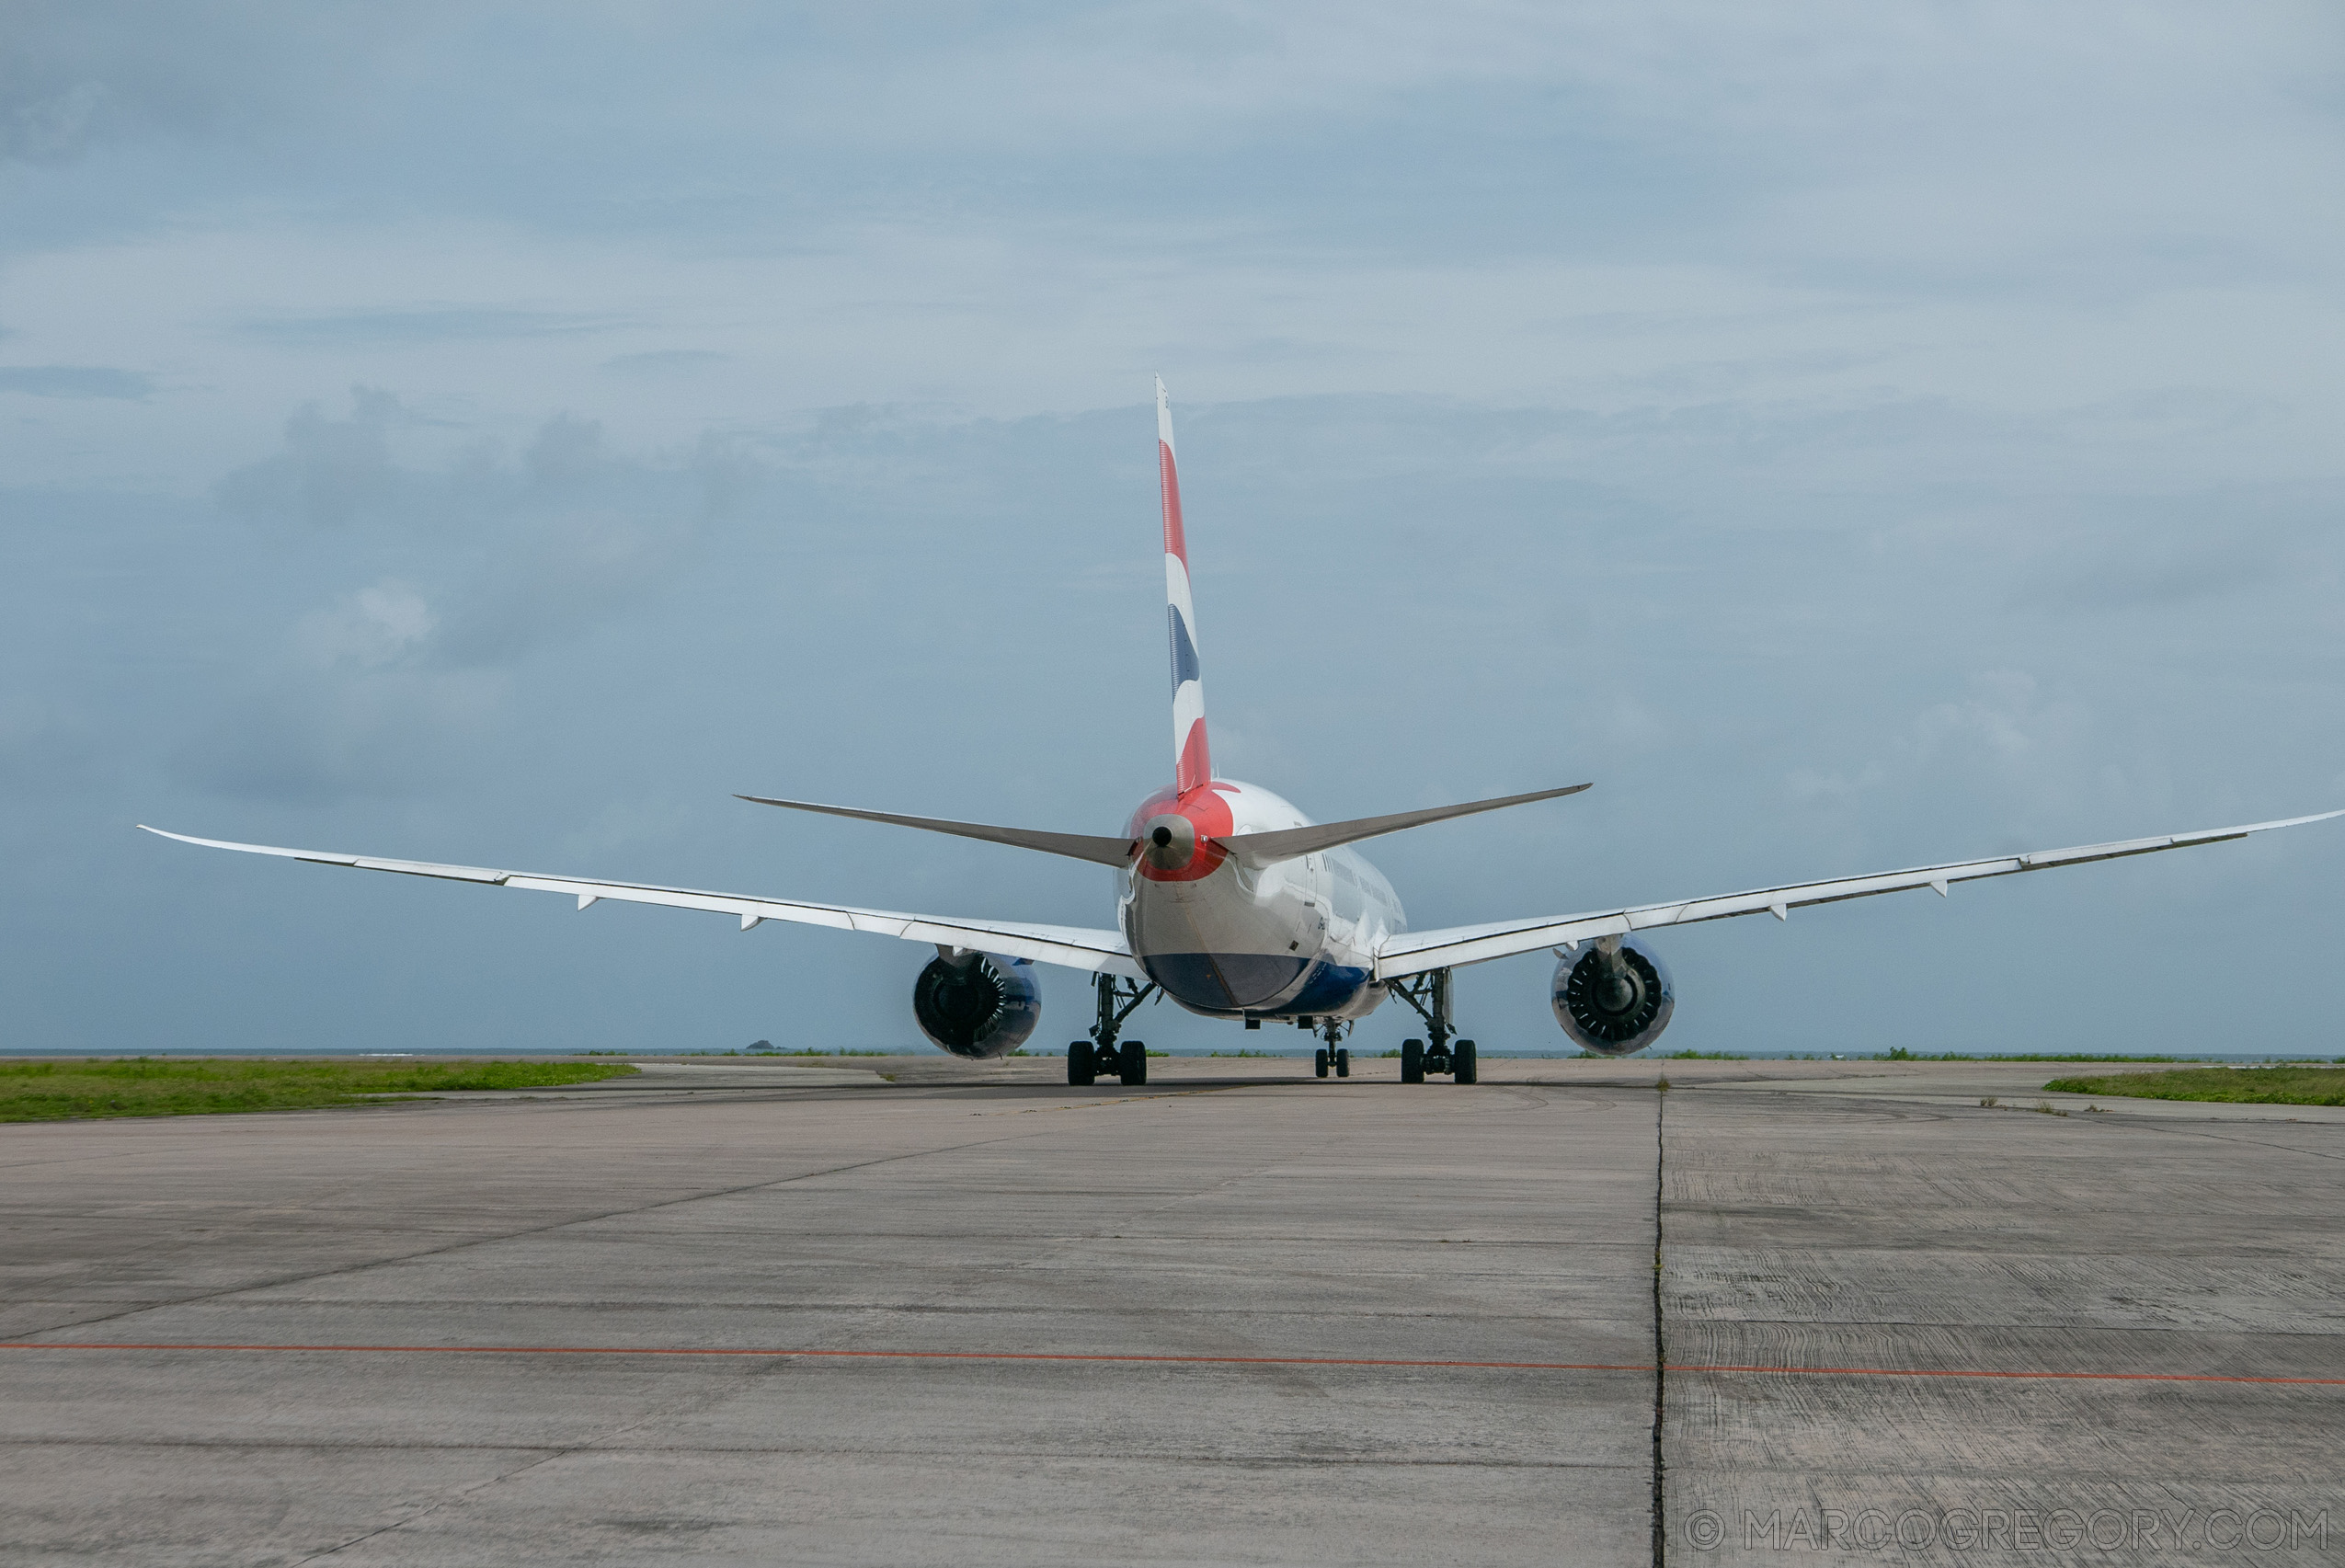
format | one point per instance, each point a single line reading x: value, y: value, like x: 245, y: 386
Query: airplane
x: 1235, y: 905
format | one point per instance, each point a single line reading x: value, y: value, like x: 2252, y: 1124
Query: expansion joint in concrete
x: 1660, y: 1338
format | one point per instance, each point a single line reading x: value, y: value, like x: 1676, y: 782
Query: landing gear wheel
x: 1080, y: 1069
x: 1461, y: 1062
x: 1413, y: 1061
x: 1319, y: 1062
x: 1135, y: 1064
x: 1343, y: 1064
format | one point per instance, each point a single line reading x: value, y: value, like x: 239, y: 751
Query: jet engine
x: 1613, y: 996
x: 978, y: 1005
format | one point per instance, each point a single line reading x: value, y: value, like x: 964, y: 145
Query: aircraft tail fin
x: 1192, y: 756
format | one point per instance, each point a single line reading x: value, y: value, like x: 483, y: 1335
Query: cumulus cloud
x: 331, y: 471
x: 379, y: 691
x: 372, y: 629
x: 354, y: 704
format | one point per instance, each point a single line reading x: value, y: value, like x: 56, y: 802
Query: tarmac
x: 912, y: 1311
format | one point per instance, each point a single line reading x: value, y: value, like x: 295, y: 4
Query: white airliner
x: 1237, y: 906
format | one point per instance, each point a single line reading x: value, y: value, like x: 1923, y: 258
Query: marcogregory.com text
x: 2052, y: 1531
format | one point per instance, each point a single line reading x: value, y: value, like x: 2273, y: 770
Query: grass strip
x: 1900, y: 1053
x: 2287, y: 1084
x: 180, y: 1086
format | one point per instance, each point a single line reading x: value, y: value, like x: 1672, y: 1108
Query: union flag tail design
x: 1192, y: 757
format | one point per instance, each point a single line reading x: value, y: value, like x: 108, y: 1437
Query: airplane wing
x: 1412, y: 952
x: 1076, y: 948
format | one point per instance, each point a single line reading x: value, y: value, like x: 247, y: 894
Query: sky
x: 1852, y: 436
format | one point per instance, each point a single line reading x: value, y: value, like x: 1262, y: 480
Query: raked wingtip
x: 2298, y: 822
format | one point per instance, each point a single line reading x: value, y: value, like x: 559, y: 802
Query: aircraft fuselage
x: 1294, y: 938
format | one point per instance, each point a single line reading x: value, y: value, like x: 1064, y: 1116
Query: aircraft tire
x: 1463, y: 1068
x: 1080, y: 1070
x: 1343, y: 1064
x: 1135, y: 1064
x: 1413, y: 1061
x: 1319, y: 1062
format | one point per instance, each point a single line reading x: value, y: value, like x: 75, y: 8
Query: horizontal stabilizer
x: 1078, y: 846
x: 1253, y: 849
x: 1291, y: 843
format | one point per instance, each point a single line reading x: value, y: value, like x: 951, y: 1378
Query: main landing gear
x: 1428, y: 994
x: 1330, y: 1055
x: 1087, y: 1060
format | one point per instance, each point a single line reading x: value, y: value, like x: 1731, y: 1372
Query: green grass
x: 181, y: 1086
x: 753, y: 1052
x: 1900, y: 1053
x: 2289, y: 1084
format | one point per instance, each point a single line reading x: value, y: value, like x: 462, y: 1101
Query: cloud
x: 665, y: 362
x: 346, y: 731
x: 2003, y: 738
x: 373, y: 629
x: 353, y: 706
x: 581, y: 534
x: 1962, y: 141
x: 331, y: 471
x: 84, y: 78
x: 435, y: 324
x: 383, y: 690
x: 75, y: 381
x: 356, y: 703
x: 52, y: 125
x: 79, y: 77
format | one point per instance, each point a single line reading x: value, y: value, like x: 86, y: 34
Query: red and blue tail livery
x: 1237, y: 906
x: 1192, y: 754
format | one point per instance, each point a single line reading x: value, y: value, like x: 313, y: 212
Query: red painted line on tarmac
x: 1183, y: 1361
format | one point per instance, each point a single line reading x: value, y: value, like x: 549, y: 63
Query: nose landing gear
x: 1428, y: 994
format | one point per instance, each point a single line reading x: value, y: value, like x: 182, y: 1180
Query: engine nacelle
x: 978, y: 1005
x: 1613, y: 996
